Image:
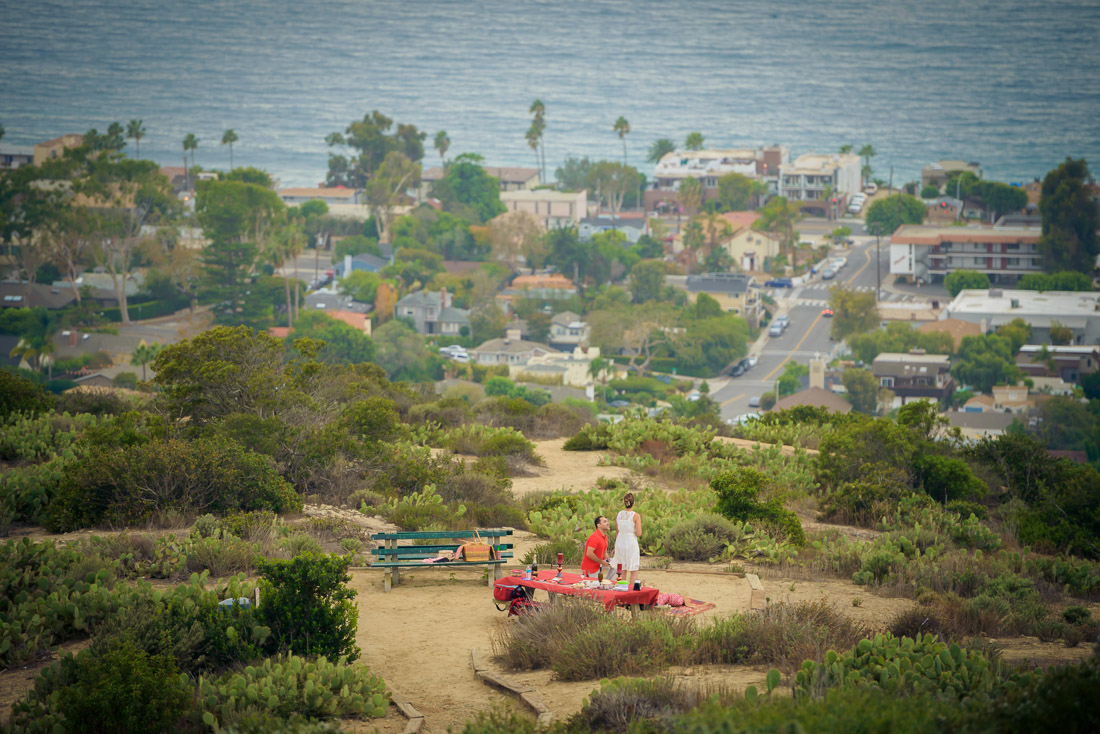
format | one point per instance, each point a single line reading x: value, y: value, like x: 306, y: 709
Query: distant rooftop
x: 1057, y: 305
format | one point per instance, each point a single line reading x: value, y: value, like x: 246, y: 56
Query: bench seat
x: 393, y: 557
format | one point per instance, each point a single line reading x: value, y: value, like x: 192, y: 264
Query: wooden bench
x: 397, y: 552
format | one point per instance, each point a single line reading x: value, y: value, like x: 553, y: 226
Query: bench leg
x: 396, y: 576
x: 491, y: 577
x: 388, y: 584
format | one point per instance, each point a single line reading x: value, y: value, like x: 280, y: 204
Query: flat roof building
x: 932, y: 252
x: 994, y: 307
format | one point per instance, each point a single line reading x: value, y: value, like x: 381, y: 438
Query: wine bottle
x: 535, y: 568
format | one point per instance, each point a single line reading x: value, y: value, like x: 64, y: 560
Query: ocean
x: 1009, y: 83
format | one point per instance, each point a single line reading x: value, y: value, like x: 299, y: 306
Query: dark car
x: 779, y: 283
x: 737, y: 370
x: 619, y: 404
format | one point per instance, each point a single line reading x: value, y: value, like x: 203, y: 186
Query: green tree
x: 572, y: 174
x: 403, y: 354
x: 789, y: 382
x: 386, y: 188
x: 228, y: 138
x: 734, y: 192
x: 1070, y: 219
x: 143, y: 354
x: 984, y: 361
x: 190, y: 143
x: 1065, y: 280
x: 659, y: 148
x: 780, y: 215
x: 862, y: 390
x: 612, y: 182
x: 360, y: 285
x: 899, y: 337
x: 886, y: 215
x: 372, y: 139
x: 622, y: 128
x: 694, y: 141
x: 535, y: 134
x: 961, y: 280
x: 929, y: 191
x: 1060, y: 334
x: 690, y: 195
x: 866, y: 153
x: 854, y: 312
x: 1017, y: 331
x: 135, y: 130
x: 845, y: 149
x: 1000, y: 198
x: 468, y: 191
x: 238, y: 218
x: 342, y: 343
x: 442, y: 143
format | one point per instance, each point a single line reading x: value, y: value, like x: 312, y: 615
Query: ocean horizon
x: 1009, y: 84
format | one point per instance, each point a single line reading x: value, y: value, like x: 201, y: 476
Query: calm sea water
x: 1010, y: 83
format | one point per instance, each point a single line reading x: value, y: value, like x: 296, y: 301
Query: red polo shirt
x: 597, y: 541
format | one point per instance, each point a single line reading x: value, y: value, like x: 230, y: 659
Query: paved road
x: 808, y: 334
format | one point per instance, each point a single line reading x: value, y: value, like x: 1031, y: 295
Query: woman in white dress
x: 629, y: 526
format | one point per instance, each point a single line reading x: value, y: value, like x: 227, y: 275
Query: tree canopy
x: 886, y: 215
x: 468, y: 190
x: 961, y: 280
x: 371, y: 140
x: 1070, y: 219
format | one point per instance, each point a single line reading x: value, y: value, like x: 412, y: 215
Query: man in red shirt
x: 595, y: 549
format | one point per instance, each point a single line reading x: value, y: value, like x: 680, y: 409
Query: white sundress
x: 626, y: 542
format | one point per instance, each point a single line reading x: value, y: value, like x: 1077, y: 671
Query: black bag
x: 518, y: 599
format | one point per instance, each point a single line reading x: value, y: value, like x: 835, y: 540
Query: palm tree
x: 597, y: 370
x: 143, y: 354
x: 534, y: 134
x: 759, y: 191
x: 622, y: 127
x: 228, y: 138
x: 442, y: 143
x: 694, y: 141
x: 866, y: 152
x: 538, y: 109
x: 136, y: 131
x: 845, y: 149
x: 690, y: 195
x: 190, y: 142
x: 659, y: 148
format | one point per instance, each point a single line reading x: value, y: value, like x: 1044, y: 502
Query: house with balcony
x: 552, y: 208
x: 932, y: 252
x: 708, y: 166
x: 806, y: 180
x: 432, y: 312
x: 735, y: 292
x: 994, y: 307
x: 14, y: 156
x: 568, y: 330
x: 914, y: 376
x: 572, y: 367
x: 1065, y: 363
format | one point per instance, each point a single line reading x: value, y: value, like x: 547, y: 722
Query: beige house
x: 56, y: 148
x: 1011, y: 399
x: 735, y: 292
x: 571, y: 367
x: 749, y: 248
x: 509, y: 351
x: 552, y: 208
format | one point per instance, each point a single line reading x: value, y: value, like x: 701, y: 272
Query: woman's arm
x: 637, y: 524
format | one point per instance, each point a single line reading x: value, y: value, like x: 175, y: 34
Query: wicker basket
x: 477, y: 551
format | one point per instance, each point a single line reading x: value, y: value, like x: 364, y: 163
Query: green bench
x: 398, y: 550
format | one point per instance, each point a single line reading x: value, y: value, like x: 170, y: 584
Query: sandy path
x: 571, y: 470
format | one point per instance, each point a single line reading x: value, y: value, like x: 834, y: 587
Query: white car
x: 839, y: 263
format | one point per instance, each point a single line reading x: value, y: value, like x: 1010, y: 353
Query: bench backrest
x: 490, y: 535
x: 430, y: 551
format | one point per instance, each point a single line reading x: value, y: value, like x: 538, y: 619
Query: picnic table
x: 645, y: 598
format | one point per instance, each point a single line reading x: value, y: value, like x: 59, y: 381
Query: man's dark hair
x: 597, y: 523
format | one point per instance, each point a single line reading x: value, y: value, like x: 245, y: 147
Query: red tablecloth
x: 646, y: 596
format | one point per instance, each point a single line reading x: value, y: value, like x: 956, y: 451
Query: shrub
x: 501, y: 720
x: 534, y: 641
x: 308, y: 607
x: 737, y: 492
x: 297, y: 544
x: 257, y: 525
x: 19, y: 395
x: 860, y: 503
x: 590, y: 438
x: 96, y: 402
x: 1077, y: 615
x: 291, y: 686
x: 547, y: 553
x: 617, y: 646
x: 132, y: 485
x: 621, y: 702
x: 221, y: 556
x: 557, y: 419
x: 700, y: 538
x: 124, y: 688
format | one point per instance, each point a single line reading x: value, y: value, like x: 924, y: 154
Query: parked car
x: 828, y: 273
x: 742, y: 419
x: 694, y: 395
x: 783, y: 320
x: 779, y: 283
x: 749, y: 362
x: 737, y: 370
x: 754, y: 402
x: 619, y: 403
x: 775, y: 330
x: 839, y: 262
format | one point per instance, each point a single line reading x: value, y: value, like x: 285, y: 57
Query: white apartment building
x: 806, y: 179
x: 931, y: 252
x: 710, y: 165
x: 552, y: 208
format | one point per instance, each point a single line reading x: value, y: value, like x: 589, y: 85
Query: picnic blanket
x: 690, y: 608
